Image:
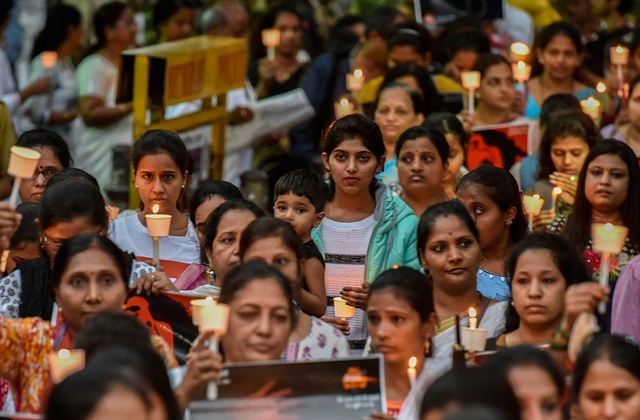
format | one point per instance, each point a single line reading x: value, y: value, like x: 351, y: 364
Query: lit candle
x: 343, y: 107
x: 554, y: 197
x: 49, y: 59
x: 619, y: 57
x: 4, y: 260
x: 591, y: 107
x: 271, y: 39
x: 411, y: 371
x: 601, y: 87
x: 65, y: 363
x: 519, y: 51
x: 341, y: 309
x: 533, y: 204
x: 211, y: 316
x: 158, y: 226
x: 22, y: 164
x: 473, y: 321
x: 471, y: 82
x: 607, y: 239
x: 521, y: 71
x: 355, y: 81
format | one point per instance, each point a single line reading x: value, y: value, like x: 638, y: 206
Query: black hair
x: 350, y: 127
x: 83, y: 242
x: 556, y: 103
x: 72, y: 173
x: 56, y: 28
x: 413, y: 35
x: 414, y: 95
x: 489, y: 60
x: 622, y: 352
x: 270, y: 227
x: 469, y: 40
x: 5, y: 10
x: 381, y: 20
x: 430, y: 217
x: 71, y: 199
x: 501, y: 188
x: 244, y: 274
x: 431, y: 99
x: 578, y: 227
x: 633, y: 85
x: 155, y: 142
x: 546, y: 35
x: 464, y: 387
x: 565, y: 257
x: 111, y: 328
x: 625, y: 6
x: 434, y: 136
x: 163, y: 10
x: 42, y: 138
x: 106, y: 15
x: 409, y: 285
x: 448, y: 123
x: 304, y: 183
x: 574, y: 124
x: 634, y: 44
x: 27, y: 231
x: 224, y: 189
x: 476, y: 412
x: 214, y: 219
x: 505, y: 360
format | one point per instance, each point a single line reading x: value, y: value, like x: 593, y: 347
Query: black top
x: 311, y: 251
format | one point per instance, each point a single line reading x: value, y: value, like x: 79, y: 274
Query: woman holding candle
x: 453, y: 130
x: 68, y: 207
x: 160, y: 161
x: 492, y: 197
x: 401, y: 322
x: 557, y: 55
x: 275, y: 242
x: 549, y: 288
x: 62, y: 35
x: 422, y: 166
x: 89, y: 276
x: 173, y: 19
x: 450, y: 253
x: 104, y: 124
x: 360, y: 208
x: 606, y: 193
x: 398, y: 108
x: 629, y: 132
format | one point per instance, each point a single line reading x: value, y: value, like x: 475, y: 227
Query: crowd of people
x: 398, y: 207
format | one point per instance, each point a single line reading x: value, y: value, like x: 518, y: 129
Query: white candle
x: 591, y: 107
x: 519, y: 51
x: 355, y: 81
x: 22, y: 164
x: 65, y: 363
x: 533, y: 204
x: 473, y: 321
x: 343, y: 107
x: 471, y: 82
x: 271, y: 39
x: 158, y: 226
x: 411, y: 371
x: 341, y: 309
x: 521, y: 71
x: 49, y: 59
x: 554, y: 196
x: 607, y: 239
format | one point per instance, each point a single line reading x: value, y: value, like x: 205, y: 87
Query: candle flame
x: 519, y: 48
x: 413, y: 362
x: 521, y: 65
x: 209, y: 301
x: 344, y: 102
x: 395, y: 266
x: 64, y: 354
x: 601, y: 87
x: 472, y: 313
x: 358, y: 73
x: 620, y: 49
x: 557, y: 190
x: 536, y: 196
x: 608, y: 227
x: 591, y: 101
x: 155, y: 209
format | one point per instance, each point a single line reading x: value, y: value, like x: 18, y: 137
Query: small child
x: 300, y: 199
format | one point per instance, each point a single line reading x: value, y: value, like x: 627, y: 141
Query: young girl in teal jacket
x: 366, y: 229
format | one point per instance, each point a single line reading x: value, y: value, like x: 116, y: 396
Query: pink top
x: 625, y: 310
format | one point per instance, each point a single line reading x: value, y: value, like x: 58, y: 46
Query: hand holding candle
x: 22, y: 164
x: 355, y: 81
x: 471, y: 82
x: 271, y: 39
x: 411, y: 371
x: 65, y: 363
x: 158, y: 226
x: 341, y: 309
x: 607, y: 239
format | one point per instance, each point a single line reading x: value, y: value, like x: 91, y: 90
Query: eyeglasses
x: 47, y: 174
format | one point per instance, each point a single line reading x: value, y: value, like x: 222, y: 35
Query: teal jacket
x: 395, y: 233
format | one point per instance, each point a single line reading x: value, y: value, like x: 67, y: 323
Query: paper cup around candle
x: 519, y: 51
x: 533, y: 204
x: 210, y: 316
x: 341, y: 309
x: 470, y: 79
x: 65, y: 363
x: 608, y: 238
x: 521, y: 71
x: 619, y: 55
x: 158, y: 225
x: 271, y: 38
x: 355, y: 81
x: 23, y: 162
x: 343, y: 107
x: 591, y: 107
x: 49, y: 59
x: 474, y: 339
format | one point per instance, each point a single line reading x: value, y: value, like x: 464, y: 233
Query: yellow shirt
x: 541, y: 11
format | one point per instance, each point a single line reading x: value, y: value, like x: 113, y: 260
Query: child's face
x: 299, y: 212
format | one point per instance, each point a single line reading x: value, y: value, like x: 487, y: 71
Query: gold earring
x: 136, y: 185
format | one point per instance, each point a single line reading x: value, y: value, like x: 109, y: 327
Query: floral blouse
x: 26, y: 343
x: 324, y: 341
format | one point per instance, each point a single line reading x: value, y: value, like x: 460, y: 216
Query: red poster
x: 500, y: 145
